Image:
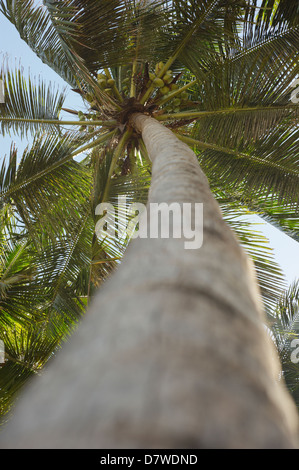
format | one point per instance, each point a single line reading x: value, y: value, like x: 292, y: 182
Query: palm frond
x: 48, y: 187
x: 26, y: 100
x: 283, y: 217
x: 285, y: 328
x: 269, y: 274
x: 267, y: 166
x: 35, y: 28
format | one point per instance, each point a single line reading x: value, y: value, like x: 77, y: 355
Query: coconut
x: 102, y: 83
x: 167, y: 78
x: 89, y: 97
x: 152, y: 76
x: 158, y: 82
x: 111, y: 82
x: 158, y: 67
x: 164, y: 90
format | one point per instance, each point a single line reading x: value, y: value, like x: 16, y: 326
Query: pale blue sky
x: 286, y: 250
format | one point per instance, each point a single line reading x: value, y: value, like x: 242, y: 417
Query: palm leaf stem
x: 22, y: 363
x: 103, y: 261
x: 107, y: 123
x: 173, y: 94
x: 116, y: 154
x: 133, y: 84
x: 207, y: 146
x: 144, y: 151
x: 17, y: 254
x: 198, y: 114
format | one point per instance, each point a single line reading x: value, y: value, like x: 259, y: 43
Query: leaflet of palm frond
x: 262, y: 18
x: 49, y: 188
x: 19, y: 293
x: 26, y: 352
x: 285, y: 328
x: 260, y: 72
x: 269, y: 275
x: 13, y: 377
x: 34, y: 25
x: 268, y: 168
x: 285, y: 218
x: 121, y: 192
x: 262, y: 75
x: 25, y: 99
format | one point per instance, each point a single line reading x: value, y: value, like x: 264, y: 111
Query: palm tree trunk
x: 173, y: 352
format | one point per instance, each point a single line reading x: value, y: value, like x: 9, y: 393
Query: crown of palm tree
x: 219, y: 73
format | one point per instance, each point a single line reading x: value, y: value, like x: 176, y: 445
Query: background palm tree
x: 228, y: 97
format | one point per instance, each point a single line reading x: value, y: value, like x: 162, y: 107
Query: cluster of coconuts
x: 106, y: 83
x: 166, y: 85
x: 86, y: 117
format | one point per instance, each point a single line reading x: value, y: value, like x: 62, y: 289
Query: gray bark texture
x: 173, y: 352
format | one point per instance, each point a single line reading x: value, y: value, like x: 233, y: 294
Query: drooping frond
x: 25, y: 100
x: 34, y: 25
x: 47, y: 187
x: 269, y: 275
x: 285, y: 328
x: 268, y: 166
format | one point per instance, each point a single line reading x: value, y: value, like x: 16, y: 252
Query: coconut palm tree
x: 173, y: 351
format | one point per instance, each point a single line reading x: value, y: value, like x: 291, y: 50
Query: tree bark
x: 173, y: 352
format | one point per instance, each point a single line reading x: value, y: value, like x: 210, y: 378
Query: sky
x: 12, y: 48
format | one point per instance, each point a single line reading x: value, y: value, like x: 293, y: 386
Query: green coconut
x: 102, y: 82
x: 159, y: 67
x: 167, y: 78
x: 164, y: 90
x: 158, y: 82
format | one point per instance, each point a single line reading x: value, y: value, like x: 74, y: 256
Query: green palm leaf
x: 35, y: 28
x: 26, y: 102
x: 269, y: 167
x: 285, y: 328
x: 41, y: 185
